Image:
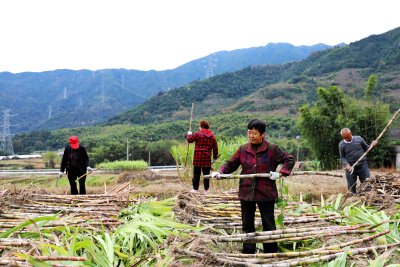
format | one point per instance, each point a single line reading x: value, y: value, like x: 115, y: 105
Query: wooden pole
x: 187, y: 148
x: 240, y: 176
x: 379, y: 137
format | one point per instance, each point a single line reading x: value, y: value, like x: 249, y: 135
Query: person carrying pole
x: 205, y: 146
x: 351, y: 148
x: 75, y: 162
x: 258, y: 156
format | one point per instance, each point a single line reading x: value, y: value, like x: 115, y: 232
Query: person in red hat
x: 75, y: 162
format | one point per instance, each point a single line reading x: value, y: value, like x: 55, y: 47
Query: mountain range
x: 228, y: 100
x: 68, y: 98
x: 282, y: 89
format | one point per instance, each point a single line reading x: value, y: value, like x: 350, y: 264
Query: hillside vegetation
x: 228, y: 101
x: 67, y: 98
x: 282, y: 89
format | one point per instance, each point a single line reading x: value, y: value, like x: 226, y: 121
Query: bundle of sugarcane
x: 93, y: 211
x: 16, y: 242
x: 292, y: 258
x: 381, y: 190
x: 290, y: 234
x: 18, y: 261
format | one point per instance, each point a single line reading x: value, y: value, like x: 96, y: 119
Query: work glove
x: 189, y: 133
x: 274, y: 175
x: 60, y: 174
x: 89, y: 170
x: 215, y: 175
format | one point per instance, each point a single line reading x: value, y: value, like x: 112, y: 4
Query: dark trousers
x: 268, y: 222
x: 361, y: 171
x: 196, y: 177
x: 73, y: 175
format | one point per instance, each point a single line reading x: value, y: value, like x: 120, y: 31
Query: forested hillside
x: 66, y: 98
x: 282, y: 89
x: 228, y: 101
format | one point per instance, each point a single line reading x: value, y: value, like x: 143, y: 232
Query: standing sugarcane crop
x: 258, y: 156
x: 205, y: 147
x: 187, y: 147
x: 75, y: 162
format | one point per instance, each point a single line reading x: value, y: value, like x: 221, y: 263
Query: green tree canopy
x: 320, y: 125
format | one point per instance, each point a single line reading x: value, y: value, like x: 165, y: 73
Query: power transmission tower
x: 50, y: 110
x: 80, y: 104
x: 6, y: 142
x: 211, y: 64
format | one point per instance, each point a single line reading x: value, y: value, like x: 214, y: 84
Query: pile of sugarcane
x: 381, y: 190
x: 284, y: 259
x: 89, y: 211
x: 222, y: 211
x: 47, y: 213
x: 23, y: 246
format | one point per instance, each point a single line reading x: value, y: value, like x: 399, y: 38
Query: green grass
x: 136, y: 165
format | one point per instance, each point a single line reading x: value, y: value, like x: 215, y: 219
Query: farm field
x: 207, y: 224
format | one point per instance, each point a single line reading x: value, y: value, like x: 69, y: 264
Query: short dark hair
x: 204, y: 125
x: 258, y: 125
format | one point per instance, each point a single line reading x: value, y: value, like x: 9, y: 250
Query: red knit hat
x: 74, y: 142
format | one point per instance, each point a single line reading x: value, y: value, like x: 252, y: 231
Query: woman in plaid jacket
x: 258, y: 156
x: 205, y: 144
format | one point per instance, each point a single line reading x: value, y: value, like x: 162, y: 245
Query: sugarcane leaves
x: 41, y: 220
x: 339, y: 261
x: 282, y: 200
x: 338, y: 202
x: 37, y: 263
x: 382, y: 259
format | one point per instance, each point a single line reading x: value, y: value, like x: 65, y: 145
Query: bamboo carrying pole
x: 187, y: 148
x: 239, y: 176
x: 379, y: 137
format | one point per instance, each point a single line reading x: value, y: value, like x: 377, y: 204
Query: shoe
x: 205, y: 192
x: 194, y: 191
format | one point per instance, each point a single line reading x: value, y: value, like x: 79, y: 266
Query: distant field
x: 15, y: 164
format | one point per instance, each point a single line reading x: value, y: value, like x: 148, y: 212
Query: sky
x: 44, y: 35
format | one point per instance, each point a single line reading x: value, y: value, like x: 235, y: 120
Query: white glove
x: 60, y: 174
x: 89, y: 170
x: 189, y: 132
x: 215, y: 175
x: 274, y: 175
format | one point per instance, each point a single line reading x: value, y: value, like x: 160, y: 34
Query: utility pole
x: 127, y: 149
x: 298, y: 147
x: 148, y: 147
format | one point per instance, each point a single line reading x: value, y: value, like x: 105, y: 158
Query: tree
x: 320, y: 125
x: 51, y: 159
x: 370, y: 86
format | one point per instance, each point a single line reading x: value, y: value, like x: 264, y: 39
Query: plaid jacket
x: 205, y: 142
x: 268, y: 157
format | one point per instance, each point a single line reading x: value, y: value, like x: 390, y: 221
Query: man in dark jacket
x: 351, y: 148
x: 205, y: 142
x: 258, y: 156
x: 75, y: 163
